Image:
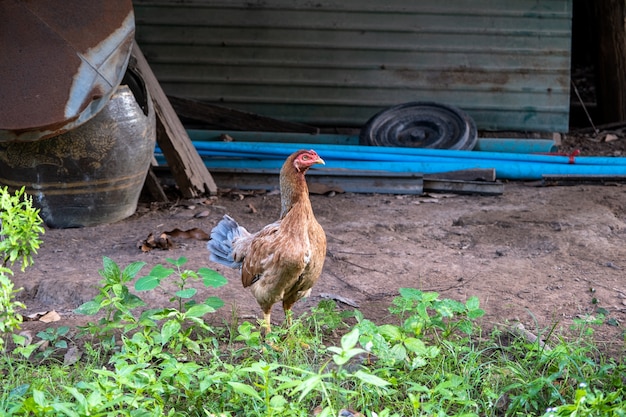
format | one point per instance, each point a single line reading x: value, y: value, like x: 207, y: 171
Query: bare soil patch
x: 538, y: 255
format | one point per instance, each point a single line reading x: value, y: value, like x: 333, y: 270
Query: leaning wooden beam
x: 189, y: 171
x: 231, y: 119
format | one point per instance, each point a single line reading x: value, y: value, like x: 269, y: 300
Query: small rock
x: 202, y: 214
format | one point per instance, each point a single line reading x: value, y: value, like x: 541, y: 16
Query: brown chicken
x: 283, y: 260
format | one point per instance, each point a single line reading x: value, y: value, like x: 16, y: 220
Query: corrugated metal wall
x: 337, y: 62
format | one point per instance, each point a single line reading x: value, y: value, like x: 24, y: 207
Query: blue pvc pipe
x: 515, y: 145
x: 343, y: 152
x: 511, y: 145
x: 504, y: 170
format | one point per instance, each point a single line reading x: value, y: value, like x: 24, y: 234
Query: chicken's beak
x: 320, y: 161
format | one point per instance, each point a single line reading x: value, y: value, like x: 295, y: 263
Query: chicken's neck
x: 293, y: 191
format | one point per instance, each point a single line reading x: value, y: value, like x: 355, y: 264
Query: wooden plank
x: 326, y: 181
x: 153, y: 187
x: 231, y: 119
x: 476, y: 174
x: 463, y: 187
x: 583, y: 179
x: 189, y: 171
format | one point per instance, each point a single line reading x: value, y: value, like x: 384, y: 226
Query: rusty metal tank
x: 94, y: 173
x: 61, y: 62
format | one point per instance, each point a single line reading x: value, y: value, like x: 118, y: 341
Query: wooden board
x: 191, y: 175
x: 231, y: 119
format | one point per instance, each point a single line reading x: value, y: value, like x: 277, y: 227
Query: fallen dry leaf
x: 162, y: 242
x: 43, y: 316
x: 50, y: 316
x: 252, y: 209
x: 195, y: 233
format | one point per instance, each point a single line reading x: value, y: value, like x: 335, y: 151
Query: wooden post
x: 610, y: 24
x: 188, y: 169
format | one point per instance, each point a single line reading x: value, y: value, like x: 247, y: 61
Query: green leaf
x: 212, y: 278
x: 132, y: 301
x: 169, y: 329
x: 371, y: 379
x: 414, y: 345
x: 472, y: 303
x: 199, y: 310
x: 89, y: 308
x: 149, y: 282
x: 111, y: 272
x: 245, y: 389
x: 214, y: 302
x: 350, y: 339
x: 131, y: 270
x: 177, y: 262
x: 161, y: 272
x: 39, y: 397
x: 411, y: 293
x: 186, y: 293
x: 308, y: 385
x: 390, y: 332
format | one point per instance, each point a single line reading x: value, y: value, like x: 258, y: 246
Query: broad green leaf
x: 414, y: 345
x: 186, y: 293
x: 161, y: 272
x: 350, y: 339
x: 111, y: 272
x: 214, y: 302
x: 149, y: 282
x: 132, y: 301
x: 245, y: 389
x: 398, y: 352
x: 131, y: 270
x: 212, y: 278
x: 371, y: 379
x: 199, y: 310
x: 390, y: 332
x: 89, y: 308
x: 411, y: 293
x: 472, y: 303
x: 169, y: 329
x: 39, y: 397
x: 177, y: 262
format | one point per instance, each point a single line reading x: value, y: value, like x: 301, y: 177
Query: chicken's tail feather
x: 221, y: 243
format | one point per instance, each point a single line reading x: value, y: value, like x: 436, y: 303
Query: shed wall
x: 338, y: 62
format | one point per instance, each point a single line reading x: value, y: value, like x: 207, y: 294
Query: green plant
x: 114, y: 298
x: 592, y: 402
x: 188, y: 310
x: 330, y: 381
x: 10, y: 319
x: 183, y: 296
x: 20, y: 228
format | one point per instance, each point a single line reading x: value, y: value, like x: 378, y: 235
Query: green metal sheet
x: 336, y: 63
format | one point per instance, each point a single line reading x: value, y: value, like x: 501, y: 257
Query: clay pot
x: 93, y: 174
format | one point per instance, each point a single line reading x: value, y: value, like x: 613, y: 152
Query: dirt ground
x: 539, y: 255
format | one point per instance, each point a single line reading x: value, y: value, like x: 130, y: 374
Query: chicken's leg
x: 267, y: 325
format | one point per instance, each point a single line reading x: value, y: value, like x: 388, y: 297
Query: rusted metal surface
x: 60, y: 63
x: 339, y: 62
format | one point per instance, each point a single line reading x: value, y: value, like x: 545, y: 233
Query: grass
x: 431, y: 359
